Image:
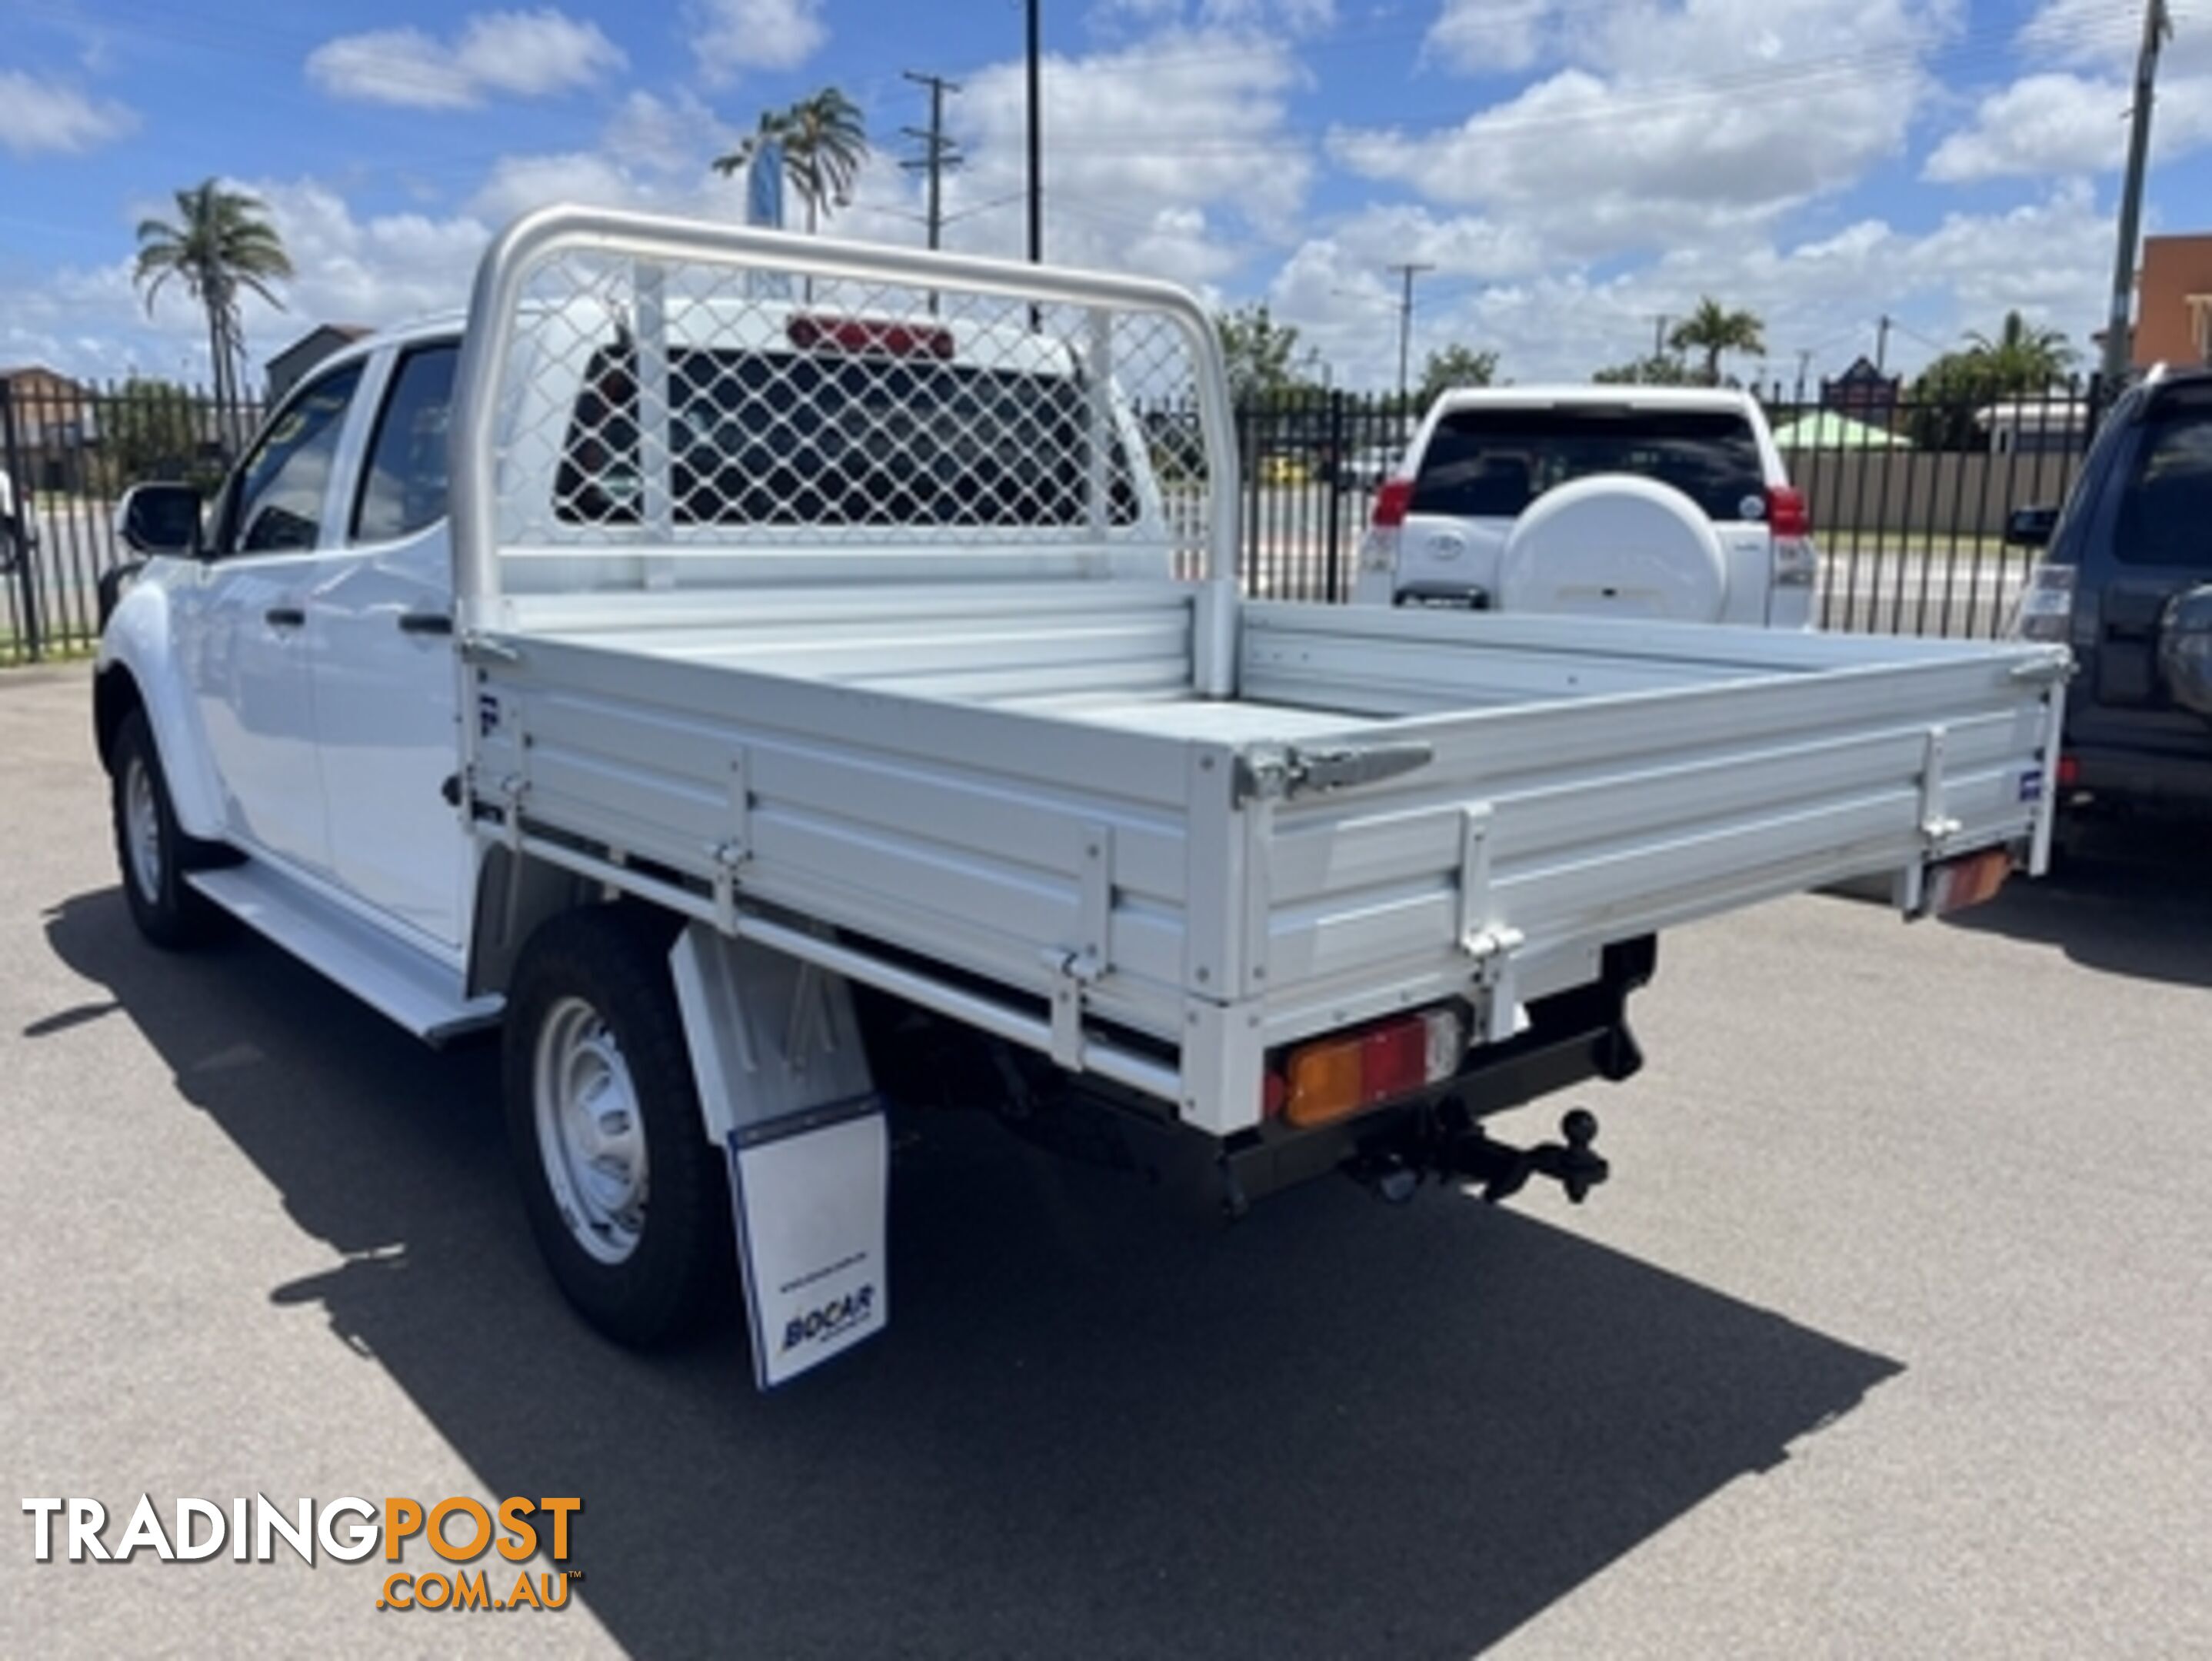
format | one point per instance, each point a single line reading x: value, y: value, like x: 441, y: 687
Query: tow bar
x: 1453, y: 1145
x: 1503, y: 1170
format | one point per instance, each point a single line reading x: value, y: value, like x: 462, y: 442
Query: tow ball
x: 1454, y: 1146
x: 1503, y: 1170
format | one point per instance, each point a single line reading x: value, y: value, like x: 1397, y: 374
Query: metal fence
x: 1909, y: 496
x: 69, y: 448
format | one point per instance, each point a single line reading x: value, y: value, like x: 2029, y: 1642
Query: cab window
x: 278, y: 506
x: 403, y: 489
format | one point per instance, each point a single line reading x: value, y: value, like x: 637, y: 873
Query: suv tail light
x: 1790, y: 524
x: 2047, y: 604
x: 1393, y: 499
x: 1786, y: 515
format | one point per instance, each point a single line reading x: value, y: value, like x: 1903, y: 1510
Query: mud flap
x: 809, y: 1204
x: 785, y: 1091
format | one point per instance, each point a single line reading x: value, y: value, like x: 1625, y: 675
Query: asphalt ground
x: 1891, y: 1335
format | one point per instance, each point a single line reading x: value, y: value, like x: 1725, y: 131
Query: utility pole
x: 2118, y: 337
x: 1036, y: 134
x: 1408, y: 272
x: 1804, y: 363
x: 939, y: 155
x: 1659, y: 322
x: 1881, y: 343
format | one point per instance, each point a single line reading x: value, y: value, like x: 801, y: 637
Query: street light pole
x: 2117, y: 338
x: 1036, y: 135
x: 1408, y: 271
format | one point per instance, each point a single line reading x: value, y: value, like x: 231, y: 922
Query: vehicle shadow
x: 1334, y: 1429
x: 2133, y: 898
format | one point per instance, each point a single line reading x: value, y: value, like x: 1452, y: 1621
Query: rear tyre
x: 153, y: 853
x: 628, y: 1199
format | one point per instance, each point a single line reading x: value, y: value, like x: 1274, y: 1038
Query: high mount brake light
x: 813, y: 333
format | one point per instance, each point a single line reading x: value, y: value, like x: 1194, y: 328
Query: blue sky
x: 1571, y: 169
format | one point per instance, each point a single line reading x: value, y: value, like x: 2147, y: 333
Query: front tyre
x: 149, y: 846
x: 628, y: 1199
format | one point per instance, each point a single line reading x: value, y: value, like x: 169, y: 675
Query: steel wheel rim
x: 142, y: 829
x: 590, y: 1135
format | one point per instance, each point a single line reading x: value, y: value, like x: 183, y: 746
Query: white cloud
x: 2074, y: 120
x: 1186, y: 120
x: 2101, y: 34
x: 1478, y: 37
x: 521, y: 53
x: 730, y: 35
x: 1554, y: 320
x: 2043, y: 125
x: 1711, y: 118
x: 665, y: 136
x: 39, y: 115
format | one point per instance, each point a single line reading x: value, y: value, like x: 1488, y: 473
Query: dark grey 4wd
x: 2126, y: 580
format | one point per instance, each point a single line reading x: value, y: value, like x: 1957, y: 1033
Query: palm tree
x: 2022, y: 358
x: 824, y: 142
x: 219, y: 246
x: 1713, y: 328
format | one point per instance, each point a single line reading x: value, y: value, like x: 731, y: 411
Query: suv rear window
x: 2166, y: 517
x: 1494, y: 463
x: 840, y: 439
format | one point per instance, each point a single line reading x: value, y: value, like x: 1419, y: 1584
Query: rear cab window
x: 1494, y: 461
x: 834, y: 439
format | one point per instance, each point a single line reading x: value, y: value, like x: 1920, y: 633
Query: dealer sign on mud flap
x: 810, y: 1239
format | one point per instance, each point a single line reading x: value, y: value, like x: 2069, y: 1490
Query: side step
x: 392, y: 978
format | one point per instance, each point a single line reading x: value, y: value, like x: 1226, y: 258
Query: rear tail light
x: 1334, y: 1078
x: 1787, y: 514
x: 2047, y: 604
x: 2069, y: 772
x: 1393, y: 499
x: 1796, y: 564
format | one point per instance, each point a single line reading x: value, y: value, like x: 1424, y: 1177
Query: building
x: 50, y: 424
x: 2174, y: 301
x: 285, y: 369
x: 1863, y: 393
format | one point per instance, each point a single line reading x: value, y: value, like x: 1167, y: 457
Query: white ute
x: 1604, y: 502
x: 751, y: 669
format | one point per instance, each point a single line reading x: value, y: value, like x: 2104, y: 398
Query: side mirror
x: 160, y: 519
x: 2030, y: 527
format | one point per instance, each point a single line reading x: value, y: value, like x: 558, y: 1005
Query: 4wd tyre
x: 152, y: 852
x: 629, y: 1200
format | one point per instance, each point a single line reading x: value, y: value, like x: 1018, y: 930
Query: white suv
x: 1636, y: 501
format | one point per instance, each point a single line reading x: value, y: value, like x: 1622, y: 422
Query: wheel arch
x: 137, y: 669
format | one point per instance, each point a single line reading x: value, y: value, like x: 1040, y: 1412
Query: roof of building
x: 325, y: 336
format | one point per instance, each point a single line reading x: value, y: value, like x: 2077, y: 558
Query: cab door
x: 242, y: 624
x: 386, y: 680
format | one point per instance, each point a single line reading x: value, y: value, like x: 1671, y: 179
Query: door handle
x: 284, y: 616
x: 425, y: 622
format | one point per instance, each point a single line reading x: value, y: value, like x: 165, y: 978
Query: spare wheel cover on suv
x: 1614, y: 545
